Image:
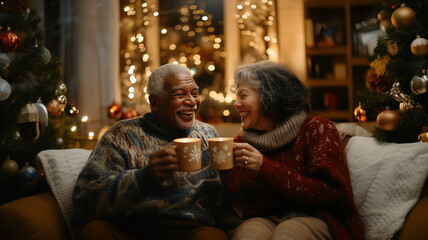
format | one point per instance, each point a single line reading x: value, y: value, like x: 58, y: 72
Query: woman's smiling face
x: 248, y: 105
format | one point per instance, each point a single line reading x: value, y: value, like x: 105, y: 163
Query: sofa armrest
x: 33, y: 217
x: 415, y: 226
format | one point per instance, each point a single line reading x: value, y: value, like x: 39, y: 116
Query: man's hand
x: 163, y: 164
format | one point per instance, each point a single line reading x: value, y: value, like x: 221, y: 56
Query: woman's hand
x: 248, y: 157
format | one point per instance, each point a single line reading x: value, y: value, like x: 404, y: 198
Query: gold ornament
x: 8, y: 168
x: 53, y: 107
x: 384, y: 25
x: 392, y: 48
x: 62, y: 100
x: 405, y: 106
x: 403, y: 16
x: 360, y: 113
x: 423, y: 137
x: 419, y: 46
x: 388, y: 120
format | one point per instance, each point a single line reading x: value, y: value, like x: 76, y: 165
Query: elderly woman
x: 291, y: 180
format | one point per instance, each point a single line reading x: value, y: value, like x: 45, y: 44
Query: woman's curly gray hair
x: 281, y: 92
x: 157, y: 78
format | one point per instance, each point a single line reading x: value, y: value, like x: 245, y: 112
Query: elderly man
x: 131, y: 187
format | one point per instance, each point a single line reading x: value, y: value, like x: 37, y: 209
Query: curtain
x: 90, y: 56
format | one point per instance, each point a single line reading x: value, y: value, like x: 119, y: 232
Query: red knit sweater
x: 309, y: 175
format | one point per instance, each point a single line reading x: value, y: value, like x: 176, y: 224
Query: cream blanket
x: 387, y: 180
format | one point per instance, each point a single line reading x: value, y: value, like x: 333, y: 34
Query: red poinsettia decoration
x: 378, y: 83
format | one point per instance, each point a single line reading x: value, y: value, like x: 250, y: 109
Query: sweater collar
x: 151, y: 126
x: 280, y: 136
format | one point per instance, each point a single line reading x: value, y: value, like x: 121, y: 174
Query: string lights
x: 190, y: 35
x: 257, y: 26
x: 194, y: 39
x: 135, y: 59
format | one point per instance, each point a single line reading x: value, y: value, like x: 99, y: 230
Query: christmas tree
x: 32, y: 100
x: 398, y: 78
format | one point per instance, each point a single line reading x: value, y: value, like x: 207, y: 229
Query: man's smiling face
x: 176, y: 110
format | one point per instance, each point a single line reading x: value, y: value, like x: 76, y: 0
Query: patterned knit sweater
x: 310, y: 176
x: 117, y: 183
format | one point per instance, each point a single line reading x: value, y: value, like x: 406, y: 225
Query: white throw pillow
x: 351, y: 129
x: 61, y: 169
x: 387, y: 179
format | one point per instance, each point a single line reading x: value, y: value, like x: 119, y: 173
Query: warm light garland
x: 257, y: 23
x: 193, y: 41
x: 137, y: 15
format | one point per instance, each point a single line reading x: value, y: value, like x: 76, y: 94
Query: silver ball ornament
x: 419, y: 84
x: 42, y: 112
x: 4, y: 59
x: 59, y: 141
x: 5, y: 89
x: 45, y: 55
x: 62, y: 88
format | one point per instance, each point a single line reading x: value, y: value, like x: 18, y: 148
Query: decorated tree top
x: 398, y: 79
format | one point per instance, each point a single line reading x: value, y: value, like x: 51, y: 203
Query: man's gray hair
x: 157, y: 78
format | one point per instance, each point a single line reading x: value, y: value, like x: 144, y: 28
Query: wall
x: 291, y: 36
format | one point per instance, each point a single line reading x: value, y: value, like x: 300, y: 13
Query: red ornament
x: 114, y: 111
x: 360, y: 114
x: 129, y: 113
x: 9, y: 41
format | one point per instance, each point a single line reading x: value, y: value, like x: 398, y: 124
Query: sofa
x: 388, y: 180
